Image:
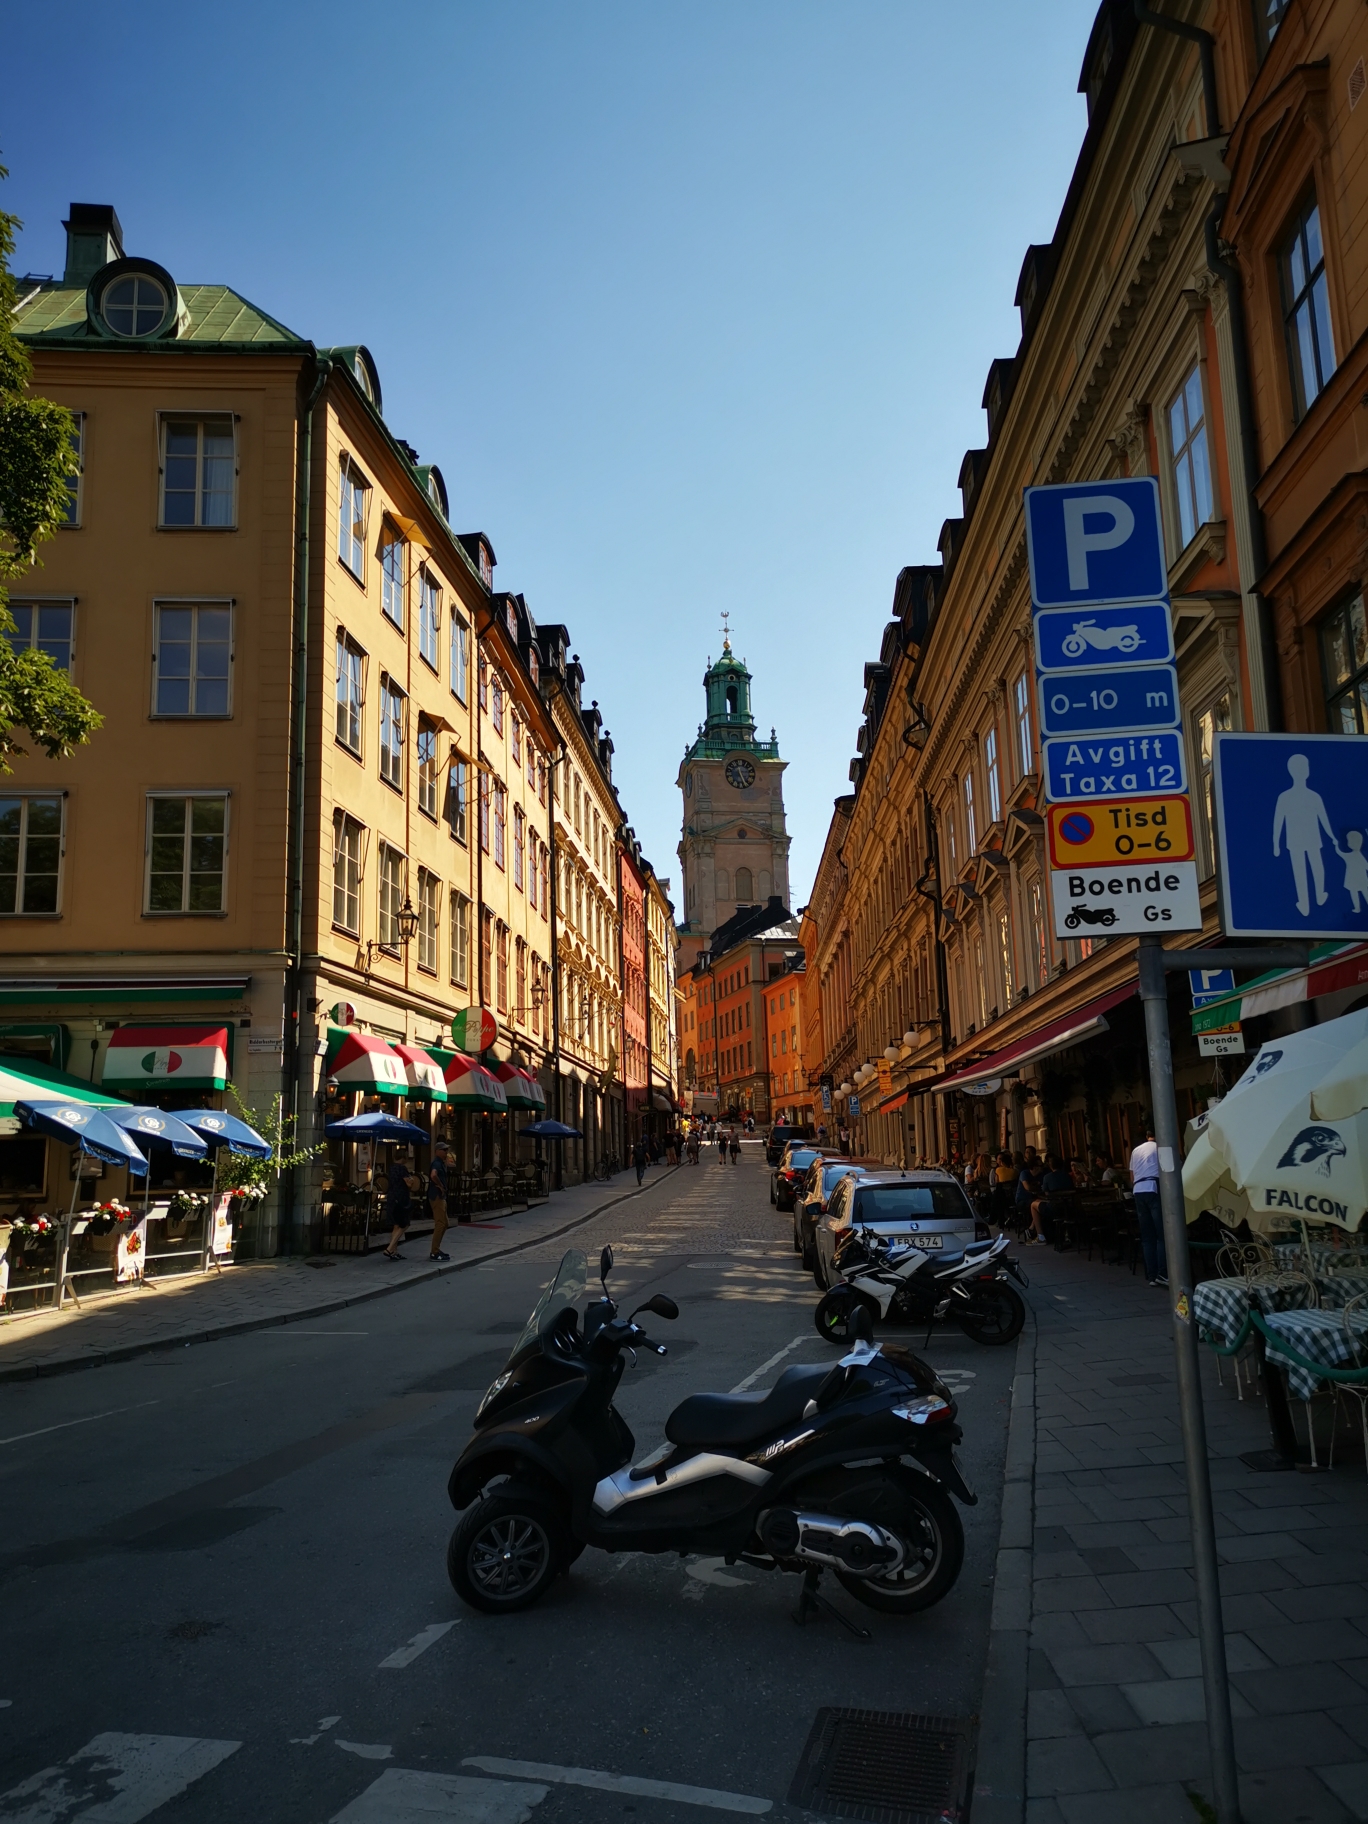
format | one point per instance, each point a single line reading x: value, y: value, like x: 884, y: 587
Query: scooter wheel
x: 834, y: 1312
x: 507, y: 1551
x: 995, y: 1317
x: 924, y: 1518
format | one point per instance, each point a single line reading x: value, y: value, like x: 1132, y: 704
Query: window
x: 531, y: 763
x: 391, y: 733
x: 1021, y: 707
x: 1005, y: 957
x: 199, y: 471
x: 1306, y: 310
x: 134, y: 305
x: 191, y: 659
x: 484, y: 684
x: 497, y: 716
x: 47, y: 626
x: 1191, y: 468
x: 1212, y: 722
x: 541, y: 780
x: 392, y: 864
x: 351, y: 693
x: 500, y: 821
x: 545, y: 882
x: 460, y: 940
x: 427, y: 769
x: 531, y: 868
x: 30, y: 854
x: 1268, y: 16
x: 520, y: 981
x: 486, y: 956
x: 501, y: 969
x: 187, y: 841
x: 429, y: 889
x: 429, y: 617
x: 73, y: 512
x: 393, y: 570
x: 458, y: 788
x: 353, y: 498
x: 744, y: 885
x: 347, y: 839
x: 519, y: 822
x: 579, y: 827
x: 460, y: 657
x: 970, y: 826
x: 990, y: 768
x: 1344, y: 660
x: 484, y: 811
x: 515, y: 738
x: 1042, y: 954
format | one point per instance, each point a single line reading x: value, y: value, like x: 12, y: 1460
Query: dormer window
x: 134, y: 305
x: 511, y: 617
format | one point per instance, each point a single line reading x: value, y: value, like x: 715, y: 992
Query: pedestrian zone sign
x: 1094, y: 542
x: 1292, y: 834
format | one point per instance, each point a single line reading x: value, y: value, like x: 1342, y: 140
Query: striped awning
x: 167, y: 1057
x: 26, y: 1080
x: 360, y: 1061
x: 520, y: 1086
x: 470, y: 1085
x: 426, y: 1083
x: 1332, y: 967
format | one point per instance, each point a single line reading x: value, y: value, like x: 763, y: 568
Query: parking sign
x: 1095, y: 541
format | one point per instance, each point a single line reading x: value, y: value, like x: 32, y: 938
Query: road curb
x: 1000, y: 1777
x: 72, y: 1364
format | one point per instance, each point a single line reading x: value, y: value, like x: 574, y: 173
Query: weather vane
x: 726, y: 630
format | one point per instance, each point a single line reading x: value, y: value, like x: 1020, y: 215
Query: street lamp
x: 407, y: 922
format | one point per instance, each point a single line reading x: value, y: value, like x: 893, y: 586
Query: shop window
x: 429, y: 891
x: 458, y: 791
x: 393, y: 575
x: 192, y: 659
x: 429, y: 617
x: 31, y: 846
x: 460, y: 658
x: 353, y: 500
x: 427, y: 769
x: 351, y: 693
x: 392, y: 865
x: 76, y: 480
x: 391, y: 733
x: 198, y: 472
x: 460, y: 940
x: 1188, y: 453
x: 187, y: 850
x: 348, y: 836
x: 1306, y: 310
x: 1344, y: 664
x: 1213, y: 721
x: 48, y: 627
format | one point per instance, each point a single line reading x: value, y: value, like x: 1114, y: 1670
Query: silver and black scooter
x: 847, y: 1468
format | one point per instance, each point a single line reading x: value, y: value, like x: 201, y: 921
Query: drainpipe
x: 297, y: 1090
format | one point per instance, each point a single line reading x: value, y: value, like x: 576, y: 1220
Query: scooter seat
x: 731, y: 1419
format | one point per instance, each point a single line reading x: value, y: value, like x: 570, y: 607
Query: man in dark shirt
x: 437, y: 1198
x: 399, y: 1202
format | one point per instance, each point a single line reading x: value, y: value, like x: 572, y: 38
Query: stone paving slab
x: 259, y: 1294
x: 1115, y: 1723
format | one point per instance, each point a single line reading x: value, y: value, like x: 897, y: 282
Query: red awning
x: 1069, y: 1029
x: 893, y: 1102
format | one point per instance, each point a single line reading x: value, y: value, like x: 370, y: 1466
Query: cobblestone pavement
x: 1116, y: 1723
x: 199, y: 1308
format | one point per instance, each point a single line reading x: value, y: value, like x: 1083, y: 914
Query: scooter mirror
x: 605, y: 1264
x: 661, y: 1304
x: 861, y: 1328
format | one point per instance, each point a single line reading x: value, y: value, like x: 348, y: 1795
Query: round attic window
x: 134, y: 305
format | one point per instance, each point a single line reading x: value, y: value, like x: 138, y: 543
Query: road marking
x: 369, y: 1751
x: 774, y: 1360
x: 66, y: 1424
x: 323, y: 1724
x: 706, y: 1571
x: 428, y: 1637
x: 294, y: 1330
x: 114, y: 1779
x: 401, y: 1796
x: 613, y: 1782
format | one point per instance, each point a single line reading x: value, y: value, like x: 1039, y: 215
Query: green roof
x: 219, y: 317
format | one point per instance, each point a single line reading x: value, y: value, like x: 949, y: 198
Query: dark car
x: 779, y: 1138
x: 810, y: 1205
x: 790, y: 1172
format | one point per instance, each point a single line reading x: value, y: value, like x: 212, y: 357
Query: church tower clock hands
x: 734, y: 846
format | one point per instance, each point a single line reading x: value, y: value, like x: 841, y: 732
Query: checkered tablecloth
x: 1222, y: 1305
x: 1323, y: 1259
x: 1320, y: 1336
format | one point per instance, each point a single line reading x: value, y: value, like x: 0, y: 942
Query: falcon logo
x: 1318, y: 1146
x: 1267, y: 1059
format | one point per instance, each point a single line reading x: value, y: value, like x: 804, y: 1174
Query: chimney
x: 94, y: 238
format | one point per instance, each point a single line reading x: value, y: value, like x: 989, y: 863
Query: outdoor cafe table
x: 1319, y: 1336
x: 1222, y: 1306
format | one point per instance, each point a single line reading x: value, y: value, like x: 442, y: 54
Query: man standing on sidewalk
x: 437, y: 1198
x: 1144, y: 1171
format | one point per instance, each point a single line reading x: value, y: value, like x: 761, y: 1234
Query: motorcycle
x: 1101, y: 639
x: 847, y: 1469
x: 896, y: 1282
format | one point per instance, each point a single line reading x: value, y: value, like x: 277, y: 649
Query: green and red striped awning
x: 1332, y: 967
x: 361, y: 1061
x: 520, y: 1086
x: 470, y: 1085
x: 166, y: 1057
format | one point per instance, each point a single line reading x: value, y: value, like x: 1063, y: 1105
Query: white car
x: 930, y: 1208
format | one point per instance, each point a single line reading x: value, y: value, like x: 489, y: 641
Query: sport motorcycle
x: 898, y: 1283
x: 847, y: 1469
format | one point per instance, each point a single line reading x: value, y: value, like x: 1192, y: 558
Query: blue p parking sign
x: 1095, y: 541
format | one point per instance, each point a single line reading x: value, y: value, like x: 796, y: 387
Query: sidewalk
x: 1114, y: 1717
x: 200, y: 1308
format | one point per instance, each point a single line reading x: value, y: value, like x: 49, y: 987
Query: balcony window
x: 198, y: 472
x: 1306, y: 310
x: 347, y: 839
x: 31, y: 854
x: 1188, y: 451
x: 192, y: 659
x: 187, y: 845
x: 48, y: 627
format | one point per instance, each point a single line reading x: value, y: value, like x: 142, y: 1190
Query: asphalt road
x: 208, y: 1555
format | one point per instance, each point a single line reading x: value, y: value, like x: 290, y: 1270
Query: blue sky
x: 693, y: 304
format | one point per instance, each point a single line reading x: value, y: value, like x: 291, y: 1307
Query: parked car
x: 790, y: 1172
x: 929, y: 1207
x: 780, y: 1137
x: 814, y: 1194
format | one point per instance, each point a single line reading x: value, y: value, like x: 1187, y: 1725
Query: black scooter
x: 847, y: 1469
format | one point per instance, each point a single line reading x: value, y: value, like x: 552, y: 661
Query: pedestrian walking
x: 734, y: 1148
x: 399, y: 1203
x: 1144, y: 1174
x: 843, y: 1138
x: 639, y: 1160
x: 437, y: 1199
x: 693, y: 1146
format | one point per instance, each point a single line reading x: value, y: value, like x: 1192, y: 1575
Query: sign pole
x: 1210, y: 1627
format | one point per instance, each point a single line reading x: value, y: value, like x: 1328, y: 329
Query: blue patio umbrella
x: 217, y: 1129
x: 155, y: 1128
x: 79, y: 1124
x: 550, y: 1130
x: 377, y: 1126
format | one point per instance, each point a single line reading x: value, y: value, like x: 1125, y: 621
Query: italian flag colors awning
x: 1332, y: 967
x: 470, y: 1085
x: 26, y: 1080
x: 425, y: 1080
x: 171, y: 1057
x: 360, y: 1061
x: 520, y: 1086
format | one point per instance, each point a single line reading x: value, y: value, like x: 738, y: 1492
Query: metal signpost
x: 1121, y: 858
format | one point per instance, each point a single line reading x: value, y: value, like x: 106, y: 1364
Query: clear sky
x: 692, y: 303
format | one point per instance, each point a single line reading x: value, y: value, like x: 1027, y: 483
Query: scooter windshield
x: 567, y: 1288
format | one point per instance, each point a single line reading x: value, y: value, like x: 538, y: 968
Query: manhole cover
x: 885, y: 1767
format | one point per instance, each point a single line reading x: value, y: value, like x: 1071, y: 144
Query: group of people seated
x: 1025, y: 1189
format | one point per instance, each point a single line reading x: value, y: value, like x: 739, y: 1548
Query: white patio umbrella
x: 1274, y: 1140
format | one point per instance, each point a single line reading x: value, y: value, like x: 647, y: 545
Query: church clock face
x: 740, y: 773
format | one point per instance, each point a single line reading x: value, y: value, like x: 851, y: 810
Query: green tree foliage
x: 254, y: 1178
x: 37, y: 462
